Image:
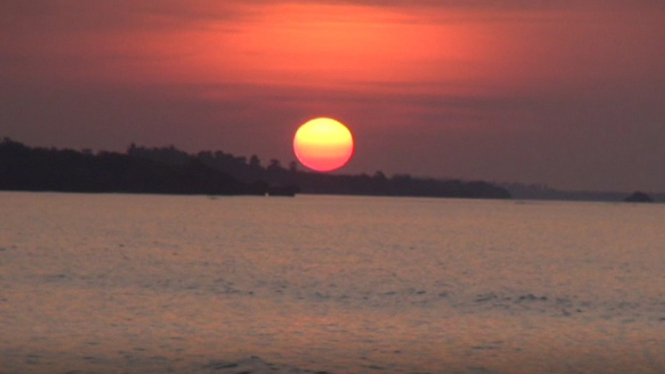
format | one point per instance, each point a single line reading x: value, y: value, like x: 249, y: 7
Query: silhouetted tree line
x: 41, y: 169
x: 251, y: 171
x: 170, y: 170
x: 398, y: 185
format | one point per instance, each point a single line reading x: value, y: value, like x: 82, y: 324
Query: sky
x: 566, y: 93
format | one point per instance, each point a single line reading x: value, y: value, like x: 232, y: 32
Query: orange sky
x: 559, y: 93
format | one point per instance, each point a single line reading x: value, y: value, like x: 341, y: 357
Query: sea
x: 119, y: 283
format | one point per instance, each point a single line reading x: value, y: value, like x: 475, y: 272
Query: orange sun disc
x: 323, y: 144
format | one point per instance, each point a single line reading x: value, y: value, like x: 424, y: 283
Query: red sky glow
x: 566, y: 94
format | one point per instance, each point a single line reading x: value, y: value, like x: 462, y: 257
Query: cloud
x: 492, y: 5
x: 80, y: 16
x: 129, y: 15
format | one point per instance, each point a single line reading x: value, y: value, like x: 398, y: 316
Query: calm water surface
x: 158, y: 284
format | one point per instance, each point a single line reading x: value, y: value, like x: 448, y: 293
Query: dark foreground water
x: 164, y: 284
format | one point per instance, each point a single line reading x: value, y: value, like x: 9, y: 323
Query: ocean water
x: 195, y: 284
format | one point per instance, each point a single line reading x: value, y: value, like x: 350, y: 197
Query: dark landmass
x: 543, y: 192
x: 321, y: 183
x: 638, y: 197
x: 171, y: 171
x: 398, y: 185
x: 40, y: 169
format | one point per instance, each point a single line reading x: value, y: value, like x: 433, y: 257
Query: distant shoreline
x: 521, y: 191
x: 168, y: 170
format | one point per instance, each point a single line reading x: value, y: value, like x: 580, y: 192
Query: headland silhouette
x: 168, y: 170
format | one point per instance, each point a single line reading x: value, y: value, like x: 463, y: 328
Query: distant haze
x: 569, y: 94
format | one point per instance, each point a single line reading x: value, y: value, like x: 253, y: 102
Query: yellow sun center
x: 323, y: 144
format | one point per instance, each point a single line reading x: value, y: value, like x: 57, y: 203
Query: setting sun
x: 323, y: 144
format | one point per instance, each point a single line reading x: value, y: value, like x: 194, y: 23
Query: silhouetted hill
x: 251, y: 170
x: 638, y: 197
x: 172, y: 171
x: 543, y: 192
x: 39, y: 169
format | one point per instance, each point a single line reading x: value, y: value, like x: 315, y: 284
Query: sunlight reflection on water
x: 154, y: 284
